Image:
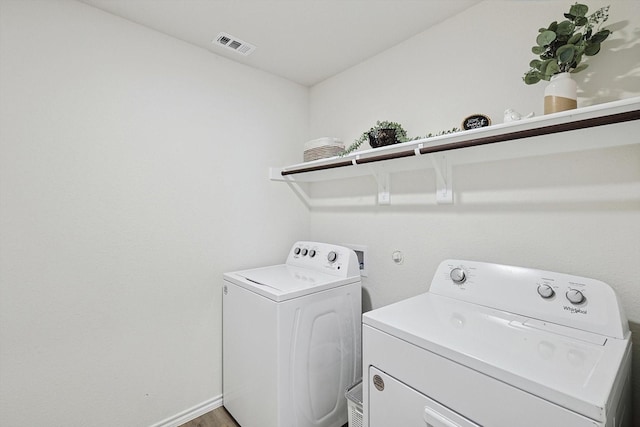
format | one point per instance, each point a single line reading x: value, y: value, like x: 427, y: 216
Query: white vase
x: 561, y: 94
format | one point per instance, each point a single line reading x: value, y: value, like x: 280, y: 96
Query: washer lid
x: 576, y: 371
x: 283, y: 282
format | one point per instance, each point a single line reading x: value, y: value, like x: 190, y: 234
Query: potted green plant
x: 561, y: 48
x: 383, y: 133
x: 387, y: 133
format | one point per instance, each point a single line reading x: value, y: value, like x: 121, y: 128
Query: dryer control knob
x: 304, y: 252
x: 458, y: 276
x: 545, y: 291
x: 332, y: 256
x: 312, y: 253
x: 575, y: 296
x: 296, y: 251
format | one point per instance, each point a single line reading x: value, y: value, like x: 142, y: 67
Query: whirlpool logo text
x: 575, y: 310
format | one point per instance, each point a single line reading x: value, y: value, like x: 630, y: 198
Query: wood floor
x: 217, y: 418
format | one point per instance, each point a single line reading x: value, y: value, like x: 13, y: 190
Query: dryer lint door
x: 393, y: 403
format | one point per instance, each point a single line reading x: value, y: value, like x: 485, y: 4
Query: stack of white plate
x: 322, y: 148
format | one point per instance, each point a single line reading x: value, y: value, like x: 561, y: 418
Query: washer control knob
x: 545, y: 291
x: 304, y: 252
x: 332, y: 256
x: 575, y: 296
x: 312, y: 253
x: 296, y: 251
x: 458, y: 276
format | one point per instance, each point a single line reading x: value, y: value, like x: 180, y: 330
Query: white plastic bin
x: 354, y: 403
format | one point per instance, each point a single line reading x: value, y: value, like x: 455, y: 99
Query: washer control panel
x: 563, y: 299
x: 324, y: 257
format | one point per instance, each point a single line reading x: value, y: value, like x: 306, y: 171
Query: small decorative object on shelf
x: 383, y: 133
x: 561, y: 47
x: 561, y: 94
x: 382, y: 137
x: 476, y: 121
x: 322, y: 148
x: 387, y: 133
x: 442, y: 132
x: 511, y: 115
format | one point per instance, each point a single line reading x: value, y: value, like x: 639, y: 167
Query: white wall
x: 575, y: 213
x: 133, y: 173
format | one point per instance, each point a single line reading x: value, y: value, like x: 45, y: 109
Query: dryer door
x: 393, y: 403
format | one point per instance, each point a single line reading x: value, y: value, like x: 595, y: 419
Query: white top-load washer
x: 292, y: 338
x: 498, y: 346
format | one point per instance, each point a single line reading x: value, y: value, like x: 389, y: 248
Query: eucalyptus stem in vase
x: 561, y: 48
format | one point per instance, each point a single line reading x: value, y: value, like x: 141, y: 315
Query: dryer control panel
x: 327, y: 258
x: 542, y: 296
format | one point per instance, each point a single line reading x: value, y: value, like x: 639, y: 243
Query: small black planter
x: 382, y: 137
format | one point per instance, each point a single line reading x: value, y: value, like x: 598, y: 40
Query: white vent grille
x: 234, y: 43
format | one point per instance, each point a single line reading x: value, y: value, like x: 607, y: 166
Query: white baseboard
x: 191, y: 413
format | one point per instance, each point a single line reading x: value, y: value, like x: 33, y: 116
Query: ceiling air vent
x: 234, y: 43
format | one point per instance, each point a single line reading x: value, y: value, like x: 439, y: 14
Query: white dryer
x: 498, y: 346
x: 292, y: 338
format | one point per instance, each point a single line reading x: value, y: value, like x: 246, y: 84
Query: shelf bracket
x: 300, y: 192
x: 444, y: 178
